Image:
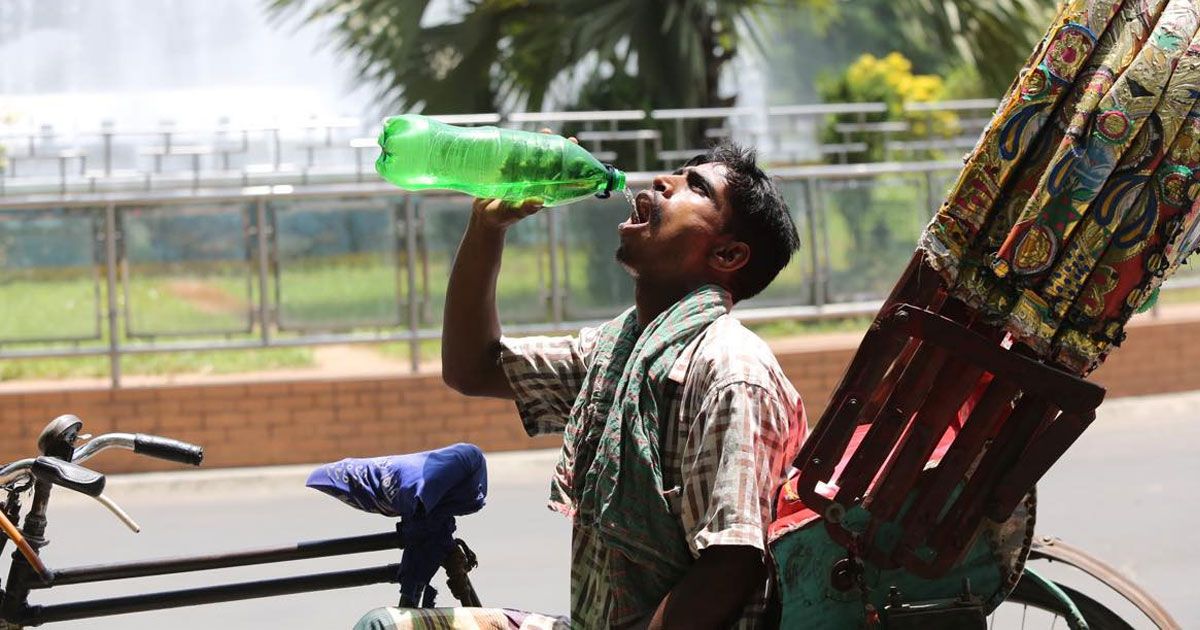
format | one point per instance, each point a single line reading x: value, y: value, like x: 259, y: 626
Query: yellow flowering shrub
x: 889, y: 80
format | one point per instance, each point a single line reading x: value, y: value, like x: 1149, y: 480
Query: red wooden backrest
x: 930, y: 378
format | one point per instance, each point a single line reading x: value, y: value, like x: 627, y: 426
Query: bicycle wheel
x: 1097, y: 595
x: 1039, y: 603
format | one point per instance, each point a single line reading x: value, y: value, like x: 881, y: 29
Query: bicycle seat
x: 425, y: 490
x: 445, y: 482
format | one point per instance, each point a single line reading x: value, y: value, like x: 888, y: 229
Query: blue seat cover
x: 424, y: 490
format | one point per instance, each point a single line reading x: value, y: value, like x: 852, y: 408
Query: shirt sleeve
x: 733, y: 461
x: 546, y: 375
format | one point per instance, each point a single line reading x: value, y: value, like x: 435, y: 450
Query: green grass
x: 63, y: 308
x: 313, y: 295
x: 788, y: 328
x: 430, y: 349
x: 212, y: 362
x: 66, y: 307
x: 324, y: 291
x: 164, y: 304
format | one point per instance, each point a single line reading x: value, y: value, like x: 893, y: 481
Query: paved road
x: 1125, y: 492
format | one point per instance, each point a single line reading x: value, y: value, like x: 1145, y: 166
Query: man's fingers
x: 549, y: 130
x: 500, y: 213
x: 492, y: 205
x: 489, y: 205
x: 529, y: 206
x: 524, y: 209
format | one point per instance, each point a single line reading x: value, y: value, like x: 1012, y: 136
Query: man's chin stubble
x: 622, y: 258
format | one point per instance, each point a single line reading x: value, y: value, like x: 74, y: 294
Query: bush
x: 880, y: 217
x: 889, y: 80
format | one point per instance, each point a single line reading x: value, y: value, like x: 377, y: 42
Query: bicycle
x: 63, y: 449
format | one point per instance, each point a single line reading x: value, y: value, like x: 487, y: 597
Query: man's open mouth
x: 643, y: 208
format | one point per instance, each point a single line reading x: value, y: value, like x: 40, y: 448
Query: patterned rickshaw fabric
x: 1081, y: 195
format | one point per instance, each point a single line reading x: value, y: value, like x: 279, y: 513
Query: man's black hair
x: 760, y: 217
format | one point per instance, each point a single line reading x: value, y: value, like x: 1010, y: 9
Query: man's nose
x: 665, y: 185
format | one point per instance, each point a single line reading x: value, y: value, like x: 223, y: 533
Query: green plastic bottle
x: 420, y: 153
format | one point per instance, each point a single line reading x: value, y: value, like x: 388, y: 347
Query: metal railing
x: 286, y: 266
x: 122, y: 274
x: 46, y: 159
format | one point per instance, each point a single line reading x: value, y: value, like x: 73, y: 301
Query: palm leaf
x: 501, y: 54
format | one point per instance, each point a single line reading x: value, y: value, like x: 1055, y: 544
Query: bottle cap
x: 615, y: 181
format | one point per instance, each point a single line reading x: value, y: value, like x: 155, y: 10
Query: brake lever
x: 82, y: 480
x: 121, y: 515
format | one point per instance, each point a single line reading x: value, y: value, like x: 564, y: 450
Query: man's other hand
x: 713, y: 592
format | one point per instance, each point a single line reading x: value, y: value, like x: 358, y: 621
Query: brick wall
x: 305, y: 421
x: 283, y: 422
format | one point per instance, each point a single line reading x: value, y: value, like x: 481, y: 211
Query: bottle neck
x: 615, y: 180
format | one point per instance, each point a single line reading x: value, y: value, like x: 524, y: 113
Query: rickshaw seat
x: 937, y: 424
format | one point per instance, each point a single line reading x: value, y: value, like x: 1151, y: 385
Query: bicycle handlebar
x: 168, y: 449
x: 15, y: 471
x: 142, y: 444
x: 69, y: 474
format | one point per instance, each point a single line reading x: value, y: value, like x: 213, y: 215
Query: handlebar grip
x: 168, y: 449
x: 68, y: 475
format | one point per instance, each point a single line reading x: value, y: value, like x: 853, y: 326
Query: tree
x: 993, y: 36
x: 501, y: 55
x: 511, y: 54
x: 990, y: 38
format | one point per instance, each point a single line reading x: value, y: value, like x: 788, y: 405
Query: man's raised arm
x: 470, y: 324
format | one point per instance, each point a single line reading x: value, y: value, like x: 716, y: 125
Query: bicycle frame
x: 23, y: 579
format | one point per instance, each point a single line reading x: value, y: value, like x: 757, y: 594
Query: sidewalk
x: 1144, y: 413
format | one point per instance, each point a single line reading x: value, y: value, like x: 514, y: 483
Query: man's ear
x: 729, y: 257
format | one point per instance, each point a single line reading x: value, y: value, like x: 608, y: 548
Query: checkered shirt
x: 736, y: 426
